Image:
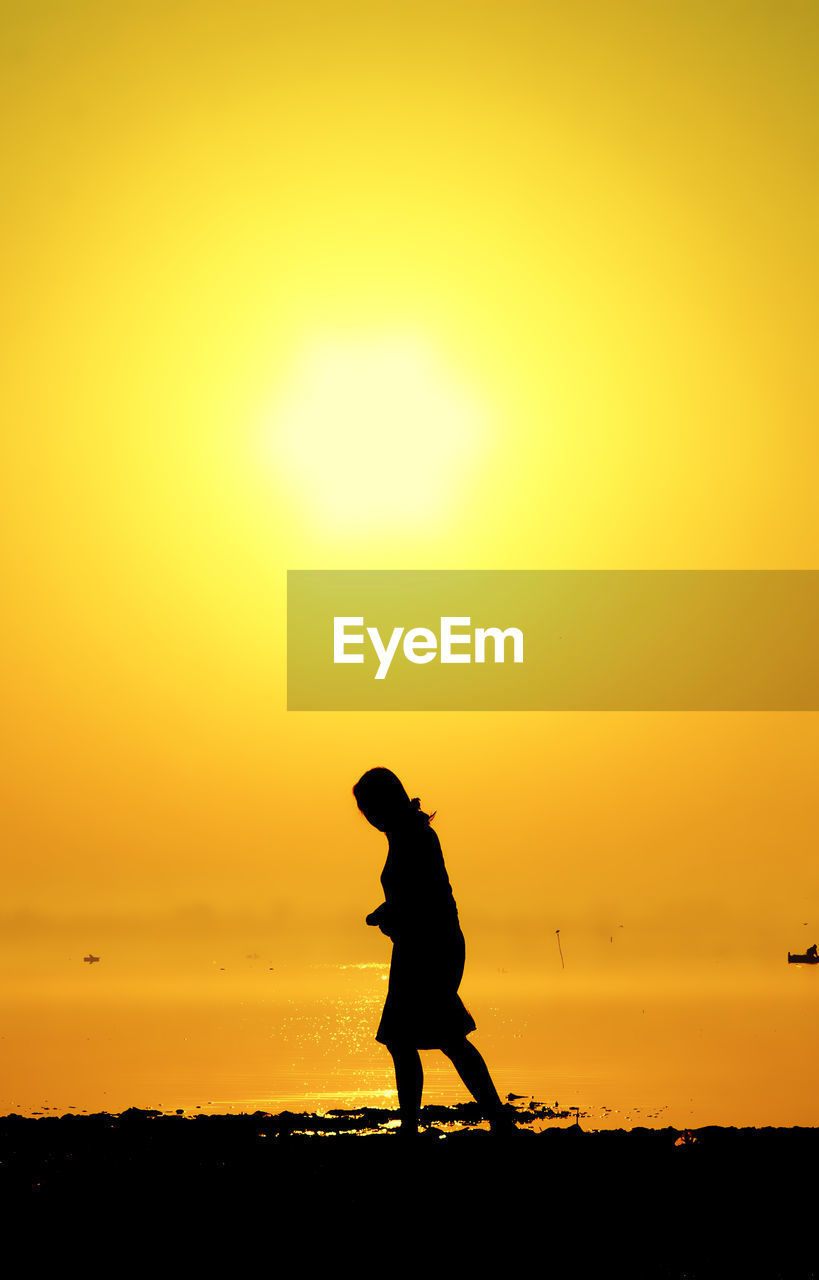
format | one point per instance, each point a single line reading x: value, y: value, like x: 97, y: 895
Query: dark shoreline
x: 718, y: 1202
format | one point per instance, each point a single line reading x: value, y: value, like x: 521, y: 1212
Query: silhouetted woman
x: 423, y: 1009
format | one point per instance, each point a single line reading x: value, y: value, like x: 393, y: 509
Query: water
x: 655, y: 1054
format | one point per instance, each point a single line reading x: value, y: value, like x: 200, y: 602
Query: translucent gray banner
x: 541, y: 640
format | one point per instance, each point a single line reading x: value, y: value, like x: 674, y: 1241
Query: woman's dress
x: 422, y: 1009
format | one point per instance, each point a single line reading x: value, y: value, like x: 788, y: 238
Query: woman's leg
x: 474, y: 1072
x: 409, y: 1081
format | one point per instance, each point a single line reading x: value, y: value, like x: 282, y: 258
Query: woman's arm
x: 419, y: 893
x: 382, y: 918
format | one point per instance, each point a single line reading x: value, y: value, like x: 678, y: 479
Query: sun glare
x: 375, y: 431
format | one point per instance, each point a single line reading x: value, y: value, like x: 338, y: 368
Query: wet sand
x: 713, y: 1202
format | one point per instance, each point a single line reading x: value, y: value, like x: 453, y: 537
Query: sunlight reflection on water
x: 312, y: 1052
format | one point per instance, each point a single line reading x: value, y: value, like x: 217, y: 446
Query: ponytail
x: 415, y: 805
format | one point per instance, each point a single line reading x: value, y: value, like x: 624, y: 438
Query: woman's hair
x: 381, y: 790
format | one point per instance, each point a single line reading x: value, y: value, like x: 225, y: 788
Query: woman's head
x: 382, y: 799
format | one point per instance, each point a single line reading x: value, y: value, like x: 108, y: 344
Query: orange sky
x: 588, y: 232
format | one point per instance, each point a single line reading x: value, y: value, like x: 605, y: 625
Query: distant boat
x: 89, y: 959
x: 810, y: 957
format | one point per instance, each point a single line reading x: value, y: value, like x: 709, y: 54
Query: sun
x: 375, y: 432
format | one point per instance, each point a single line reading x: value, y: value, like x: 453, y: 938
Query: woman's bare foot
x: 502, y: 1123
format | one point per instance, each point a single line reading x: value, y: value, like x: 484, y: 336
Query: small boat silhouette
x: 811, y: 956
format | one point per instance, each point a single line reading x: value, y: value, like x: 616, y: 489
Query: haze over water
x: 241, y: 1036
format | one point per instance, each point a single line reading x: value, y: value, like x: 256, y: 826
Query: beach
x: 659, y: 1202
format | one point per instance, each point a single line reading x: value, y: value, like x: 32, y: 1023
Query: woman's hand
x: 381, y: 918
